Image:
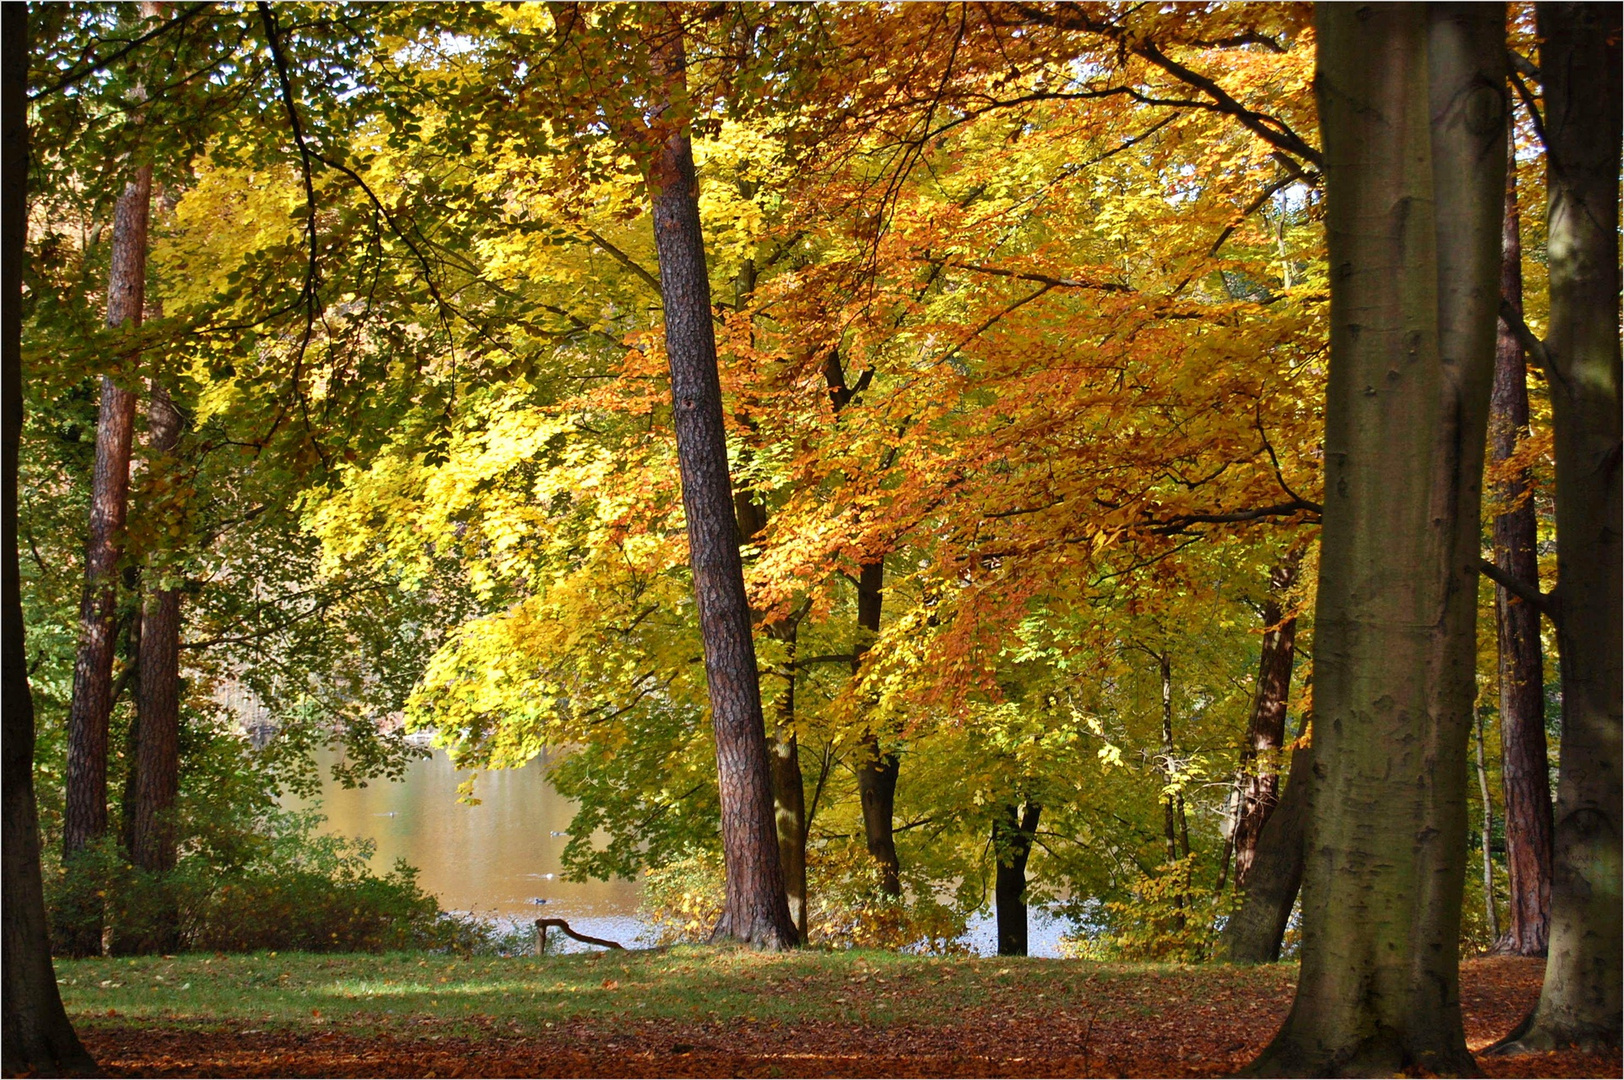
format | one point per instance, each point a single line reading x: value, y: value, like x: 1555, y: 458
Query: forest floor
x: 694, y: 1012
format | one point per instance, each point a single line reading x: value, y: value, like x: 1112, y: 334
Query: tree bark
x: 1412, y: 106
x: 1254, y: 932
x: 755, y: 912
x: 85, y: 812
x: 155, y: 765
x: 1579, y: 58
x: 789, y: 787
x: 876, y: 770
x: 35, y: 1033
x: 1174, y: 825
x: 1525, y: 772
x: 1266, y: 730
x: 1011, y: 846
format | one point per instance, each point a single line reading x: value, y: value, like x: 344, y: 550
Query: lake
x: 496, y: 859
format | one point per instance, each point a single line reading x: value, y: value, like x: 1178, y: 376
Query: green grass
x: 395, y: 992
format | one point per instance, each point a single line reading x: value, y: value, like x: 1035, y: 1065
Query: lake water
x: 497, y: 859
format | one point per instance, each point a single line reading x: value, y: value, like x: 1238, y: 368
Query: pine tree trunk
x: 1525, y: 772
x: 1254, y: 932
x: 1266, y: 730
x: 1579, y: 57
x: 876, y: 770
x: 157, y: 759
x: 1011, y: 846
x: 85, y: 812
x: 755, y: 911
x: 1412, y: 109
x: 35, y: 1034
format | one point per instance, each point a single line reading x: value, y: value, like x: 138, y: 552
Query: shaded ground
x: 693, y: 1014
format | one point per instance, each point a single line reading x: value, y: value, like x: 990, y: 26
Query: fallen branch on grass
x: 541, y: 936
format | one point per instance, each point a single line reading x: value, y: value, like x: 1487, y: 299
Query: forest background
x: 1022, y: 325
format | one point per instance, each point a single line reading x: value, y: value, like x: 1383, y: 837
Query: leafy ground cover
x: 694, y: 1012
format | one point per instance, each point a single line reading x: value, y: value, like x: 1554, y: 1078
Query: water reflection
x: 494, y: 859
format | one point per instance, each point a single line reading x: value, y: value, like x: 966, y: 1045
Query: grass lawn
x: 708, y: 1012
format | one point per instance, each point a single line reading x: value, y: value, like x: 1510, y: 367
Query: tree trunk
x: 85, y: 812
x: 155, y: 763
x: 35, y: 1034
x: 755, y: 912
x: 1580, y: 1002
x: 1486, y: 834
x: 876, y: 770
x: 1174, y: 826
x: 1011, y: 845
x: 1254, y: 932
x: 1412, y: 108
x: 1266, y: 731
x: 789, y: 788
x: 1525, y: 772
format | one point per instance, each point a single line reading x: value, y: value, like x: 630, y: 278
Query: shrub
x: 291, y: 888
x: 1167, y: 917
x: 682, y: 902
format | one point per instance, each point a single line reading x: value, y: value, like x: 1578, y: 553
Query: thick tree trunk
x: 85, y: 812
x: 1412, y: 108
x: 1011, y: 846
x: 1266, y: 731
x: 1579, y: 57
x: 35, y: 1034
x: 1525, y: 771
x: 876, y: 770
x: 755, y: 912
x: 1254, y: 932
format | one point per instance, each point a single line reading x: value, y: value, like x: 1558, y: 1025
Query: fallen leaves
x: 1178, y: 1022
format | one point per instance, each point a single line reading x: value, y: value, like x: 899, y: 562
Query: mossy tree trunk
x: 1412, y: 108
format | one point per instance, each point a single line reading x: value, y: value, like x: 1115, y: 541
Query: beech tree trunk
x: 1579, y: 59
x: 1266, y: 730
x: 1525, y: 772
x: 35, y: 1034
x: 1254, y: 932
x: 1011, y: 846
x: 1412, y: 107
x: 876, y: 770
x: 755, y: 912
x: 789, y: 788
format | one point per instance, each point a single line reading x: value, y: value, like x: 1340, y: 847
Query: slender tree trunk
x: 1174, y: 826
x: 877, y: 770
x: 1525, y: 773
x: 789, y: 788
x: 35, y: 1034
x: 155, y: 764
x: 1579, y: 58
x: 85, y: 812
x: 1486, y: 834
x: 1011, y: 846
x: 1254, y: 932
x: 756, y: 912
x: 1412, y: 109
x: 1266, y: 731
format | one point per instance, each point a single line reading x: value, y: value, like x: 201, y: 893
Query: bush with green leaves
x: 280, y: 885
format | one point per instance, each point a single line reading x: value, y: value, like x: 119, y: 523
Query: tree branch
x: 1528, y: 593
x: 73, y: 77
